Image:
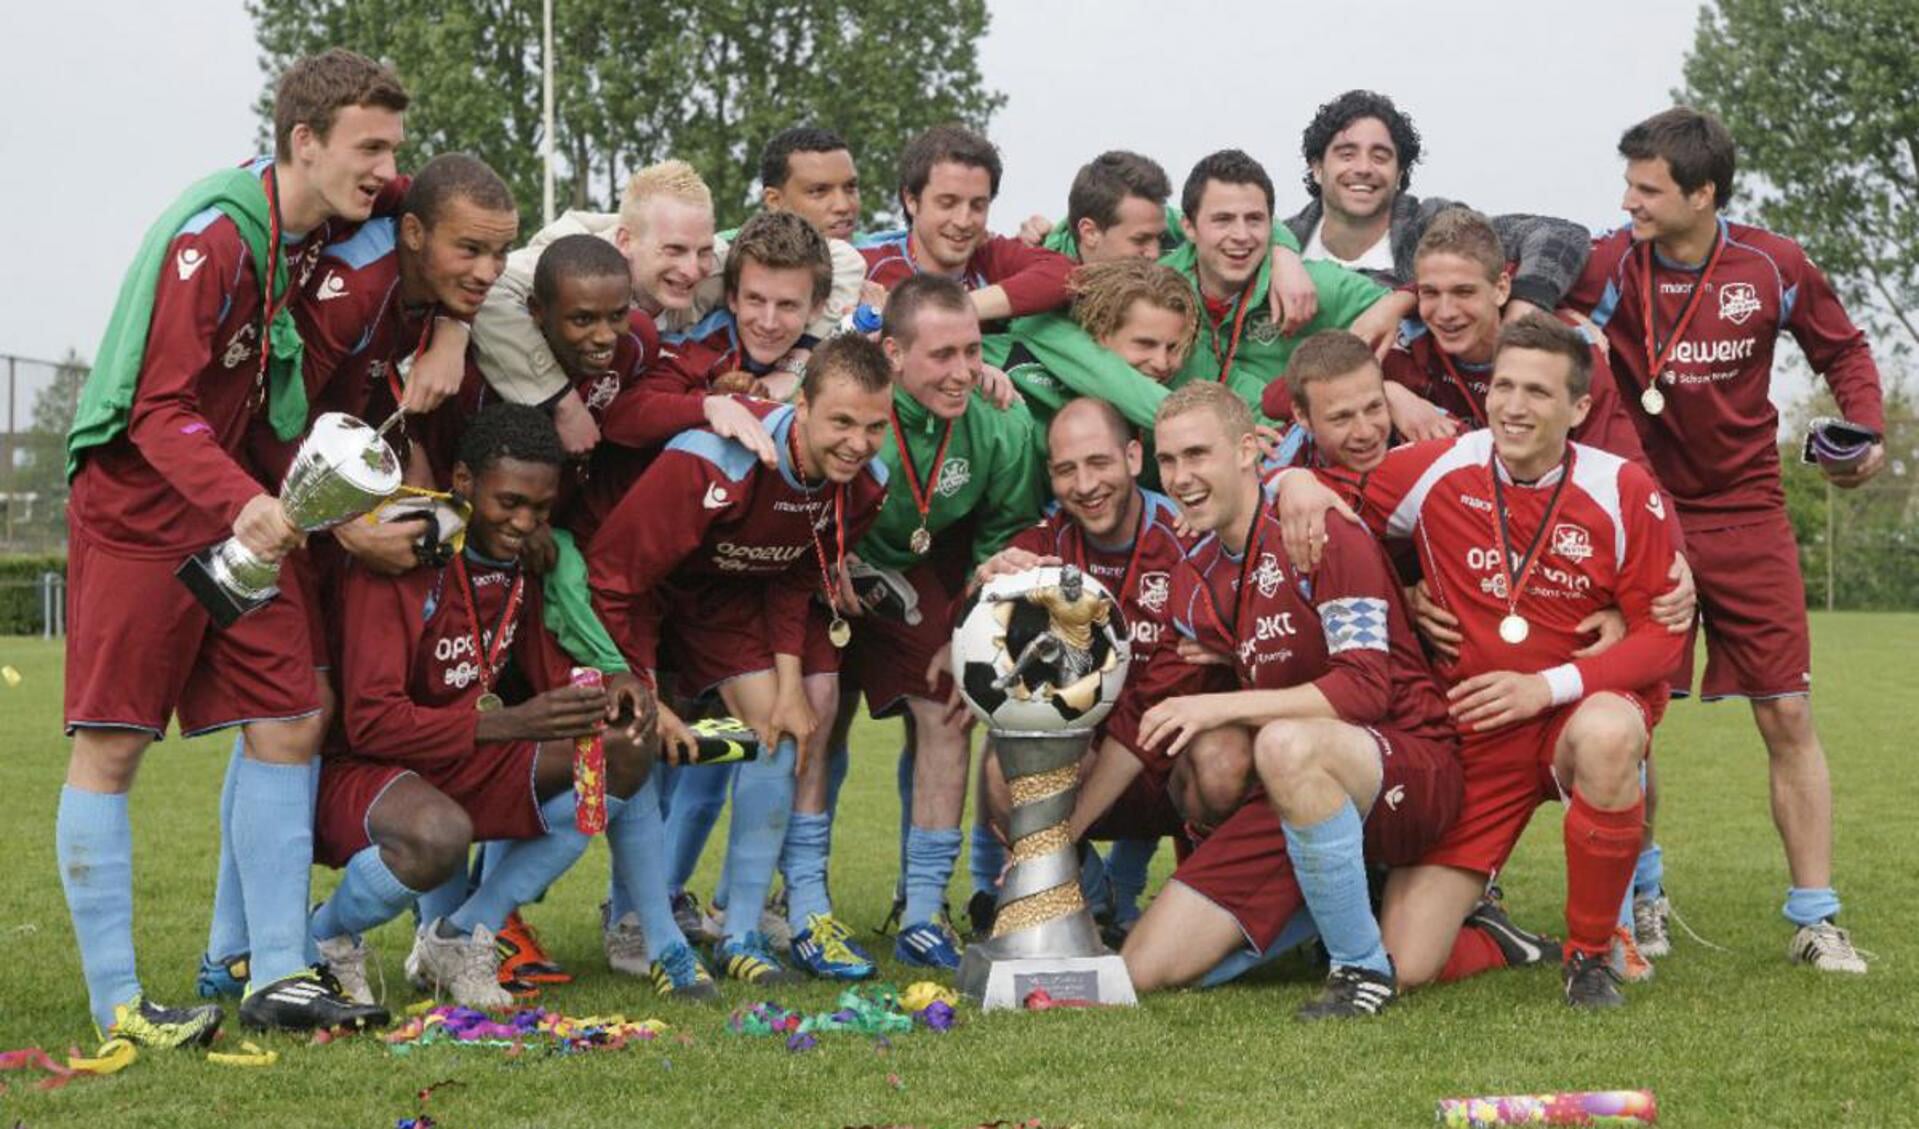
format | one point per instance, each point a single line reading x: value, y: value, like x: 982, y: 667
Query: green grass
x: 1737, y: 1038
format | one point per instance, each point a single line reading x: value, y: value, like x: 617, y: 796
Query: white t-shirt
x: 1378, y: 257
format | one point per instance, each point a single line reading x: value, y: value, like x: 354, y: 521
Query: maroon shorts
x: 1162, y: 677
x: 494, y: 785
x: 1242, y: 866
x: 1508, y: 773
x: 714, y: 633
x: 888, y: 658
x: 141, y: 649
x: 1752, y: 601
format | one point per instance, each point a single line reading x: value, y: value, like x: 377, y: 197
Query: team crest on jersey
x: 239, y: 347
x: 1154, y: 590
x: 1571, y: 542
x: 188, y: 262
x: 1656, y: 506
x: 1267, y: 577
x: 602, y: 392
x: 1261, y: 329
x: 954, y: 475
x: 331, y: 287
x: 1738, y: 301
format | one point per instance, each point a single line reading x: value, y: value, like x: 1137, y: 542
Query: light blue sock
x: 1806, y: 906
x: 1649, y: 873
x: 93, y: 840
x: 637, y: 840
x: 448, y: 896
x: 272, y: 832
x: 369, y: 894
x: 1092, y: 880
x: 762, y: 805
x: 838, y: 762
x: 1127, y: 863
x: 699, y: 795
x: 227, y: 936
x: 1625, y: 911
x: 809, y: 839
x: 985, y: 858
x: 313, y: 808
x: 903, y: 781
x: 1299, y: 930
x: 930, y: 855
x: 528, y: 866
x: 1329, y: 860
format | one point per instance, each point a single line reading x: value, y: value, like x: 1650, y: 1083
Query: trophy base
x: 997, y: 981
x: 222, y: 603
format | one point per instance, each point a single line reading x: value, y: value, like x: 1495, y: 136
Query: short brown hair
x: 1547, y: 334
x: 1104, y: 182
x: 781, y: 241
x: 1207, y: 395
x: 675, y: 179
x: 1463, y: 232
x: 940, y: 145
x: 847, y: 356
x: 316, y: 88
x: 900, y: 319
x: 1326, y: 355
x: 1104, y: 293
x: 1697, y: 146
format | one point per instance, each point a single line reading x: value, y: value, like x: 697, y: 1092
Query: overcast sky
x: 109, y: 107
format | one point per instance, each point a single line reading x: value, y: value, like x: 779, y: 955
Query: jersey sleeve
x: 1834, y: 346
x: 1649, y: 653
x: 1012, y: 503
x: 1551, y: 254
x: 166, y: 422
x: 512, y: 352
x: 1591, y: 293
x: 668, y: 398
x: 1343, y: 296
x: 380, y: 639
x: 1033, y: 278
x: 659, y: 523
x: 1352, y: 590
x: 1083, y: 366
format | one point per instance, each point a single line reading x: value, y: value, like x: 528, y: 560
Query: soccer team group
x: 1410, y: 513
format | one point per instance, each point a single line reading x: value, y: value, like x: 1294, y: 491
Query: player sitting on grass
x: 1329, y: 699
x: 1523, y: 534
x: 432, y: 757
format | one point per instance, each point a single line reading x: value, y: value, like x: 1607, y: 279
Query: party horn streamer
x: 1604, y: 1107
x: 589, y: 766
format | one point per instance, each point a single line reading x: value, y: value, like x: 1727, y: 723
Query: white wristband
x: 1565, y: 683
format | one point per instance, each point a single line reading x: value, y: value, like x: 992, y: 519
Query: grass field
x: 1733, y: 1038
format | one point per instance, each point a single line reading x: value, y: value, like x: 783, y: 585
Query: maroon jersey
x: 1716, y: 443
x: 1609, y: 545
x: 177, y: 478
x: 708, y: 511
x: 1342, y: 628
x: 410, y: 667
x: 1138, y: 573
x: 1033, y: 278
x: 614, y: 400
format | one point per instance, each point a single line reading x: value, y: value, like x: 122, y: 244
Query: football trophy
x: 1040, y: 656
x: 343, y: 469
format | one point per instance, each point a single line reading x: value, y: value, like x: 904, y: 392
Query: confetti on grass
x: 114, y: 1055
x: 524, y: 1029
x: 877, y: 1011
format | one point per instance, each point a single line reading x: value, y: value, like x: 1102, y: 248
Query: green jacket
x: 1066, y: 241
x: 567, y: 611
x: 990, y: 472
x: 106, y: 400
x: 1070, y: 364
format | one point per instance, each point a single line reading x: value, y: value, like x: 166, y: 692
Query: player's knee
x: 1285, y: 754
x: 1221, y: 770
x: 1608, y: 733
x: 424, y: 849
x: 1785, y: 724
x: 106, y: 760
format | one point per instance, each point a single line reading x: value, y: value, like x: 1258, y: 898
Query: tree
x: 1821, y: 96
x: 642, y: 80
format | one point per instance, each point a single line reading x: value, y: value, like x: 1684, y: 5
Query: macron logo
x: 715, y: 496
x: 331, y: 287
x: 189, y: 261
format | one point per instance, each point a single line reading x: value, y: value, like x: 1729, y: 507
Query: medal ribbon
x: 1245, y: 301
x: 419, y: 350
x: 1132, y: 560
x: 1518, y: 574
x: 269, y: 308
x: 1659, y: 352
x: 829, y: 576
x: 922, y: 497
x: 487, y: 647
x: 1239, y: 592
x: 1473, y: 406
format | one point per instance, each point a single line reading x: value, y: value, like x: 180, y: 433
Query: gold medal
x: 488, y: 702
x: 839, y: 632
x: 921, y: 542
x: 1514, y: 629
x: 1653, y: 400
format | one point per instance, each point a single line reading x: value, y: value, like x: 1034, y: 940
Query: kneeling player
x: 1329, y: 671
x: 1571, y: 529
x: 434, y: 758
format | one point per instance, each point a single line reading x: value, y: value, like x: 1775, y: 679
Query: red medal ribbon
x: 269, y: 308
x: 1518, y: 574
x: 1233, y: 633
x: 1658, y: 352
x: 922, y: 497
x: 1239, y: 323
x: 1139, y: 542
x: 419, y: 350
x: 829, y: 576
x: 487, y: 647
x: 1473, y: 406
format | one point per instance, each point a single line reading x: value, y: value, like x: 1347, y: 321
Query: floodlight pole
x: 546, y: 77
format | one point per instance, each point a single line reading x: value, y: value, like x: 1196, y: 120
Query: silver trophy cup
x: 1041, y: 658
x: 342, y: 469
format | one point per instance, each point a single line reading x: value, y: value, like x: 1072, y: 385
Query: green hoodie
x: 990, y: 471
x: 106, y: 400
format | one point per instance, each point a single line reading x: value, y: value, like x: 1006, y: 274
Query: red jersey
x: 1716, y: 443
x: 614, y: 400
x: 1342, y: 628
x: 1139, y: 573
x: 1033, y: 278
x: 1609, y: 545
x: 670, y: 395
x: 707, y: 510
x: 410, y: 669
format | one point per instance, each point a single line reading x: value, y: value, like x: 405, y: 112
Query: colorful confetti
x: 558, y: 1034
